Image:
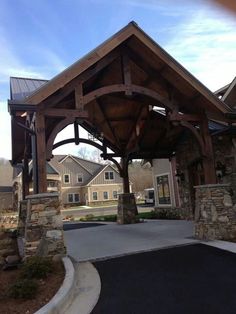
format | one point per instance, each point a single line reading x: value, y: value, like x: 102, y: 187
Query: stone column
x: 215, y: 215
x: 43, y: 227
x: 127, y: 209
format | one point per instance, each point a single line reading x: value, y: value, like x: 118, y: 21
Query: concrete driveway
x: 112, y: 240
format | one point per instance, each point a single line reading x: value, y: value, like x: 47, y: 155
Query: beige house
x: 79, y: 181
x: 6, y: 175
x: 86, y: 182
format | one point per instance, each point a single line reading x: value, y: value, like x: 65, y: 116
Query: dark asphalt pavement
x: 190, y: 279
x: 80, y: 225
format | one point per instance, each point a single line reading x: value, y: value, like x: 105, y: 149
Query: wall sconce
x: 180, y: 176
x: 220, y: 170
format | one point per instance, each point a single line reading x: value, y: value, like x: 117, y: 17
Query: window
x: 70, y: 198
x: 163, y: 190
x: 105, y: 195
x: 66, y: 178
x: 115, y: 194
x: 73, y: 197
x: 95, y: 196
x: 109, y: 175
x: 76, y: 198
x: 51, y: 184
x: 80, y: 178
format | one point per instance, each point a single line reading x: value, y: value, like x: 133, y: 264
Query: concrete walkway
x: 114, y: 240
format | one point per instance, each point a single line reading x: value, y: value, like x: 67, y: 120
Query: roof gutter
x: 230, y: 115
x: 14, y: 106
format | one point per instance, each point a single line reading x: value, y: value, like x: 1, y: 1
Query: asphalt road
x: 190, y: 279
x: 98, y: 211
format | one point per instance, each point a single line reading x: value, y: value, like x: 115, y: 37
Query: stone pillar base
x: 43, y: 234
x: 215, y: 215
x: 127, y: 209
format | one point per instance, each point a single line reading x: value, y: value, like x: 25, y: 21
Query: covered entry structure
x: 130, y: 94
x: 112, y: 92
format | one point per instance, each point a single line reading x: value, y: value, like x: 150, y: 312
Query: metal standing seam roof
x: 21, y: 88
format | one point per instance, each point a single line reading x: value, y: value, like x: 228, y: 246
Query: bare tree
x: 140, y: 176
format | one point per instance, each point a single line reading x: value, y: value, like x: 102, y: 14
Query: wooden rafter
x: 118, y: 88
x: 116, y: 139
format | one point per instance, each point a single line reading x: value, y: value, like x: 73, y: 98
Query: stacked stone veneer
x: 127, y: 209
x: 215, y: 215
x: 42, y: 224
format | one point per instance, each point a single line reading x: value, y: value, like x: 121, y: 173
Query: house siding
x: 72, y: 168
x: 71, y: 190
x: 100, y: 179
x: 104, y: 188
x: 6, y: 200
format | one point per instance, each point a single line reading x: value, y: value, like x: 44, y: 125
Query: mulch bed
x: 47, y: 289
x: 182, y: 280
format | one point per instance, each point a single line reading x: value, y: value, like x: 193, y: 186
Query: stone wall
x: 187, y: 153
x: 127, y: 209
x: 215, y: 215
x: 43, y: 225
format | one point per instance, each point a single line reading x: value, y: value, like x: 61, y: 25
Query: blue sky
x: 40, y: 38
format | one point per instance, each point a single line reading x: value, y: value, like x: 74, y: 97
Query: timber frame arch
x: 129, y: 91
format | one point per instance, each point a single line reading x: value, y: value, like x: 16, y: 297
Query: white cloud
x: 5, y: 131
x: 206, y: 46
x: 12, y: 65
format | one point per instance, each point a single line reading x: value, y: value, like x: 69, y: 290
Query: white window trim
x: 66, y: 174
x: 109, y: 176
x: 73, y: 201
x: 82, y: 176
x: 156, y: 194
x: 115, y: 198
x: 107, y: 195
x: 97, y: 196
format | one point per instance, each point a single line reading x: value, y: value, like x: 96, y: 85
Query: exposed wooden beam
x: 175, y: 116
x: 116, y: 139
x: 76, y: 113
x: 76, y: 84
x: 126, y: 71
x: 118, y: 88
x: 133, y: 136
x: 60, y: 126
x: 79, y: 97
x: 41, y: 153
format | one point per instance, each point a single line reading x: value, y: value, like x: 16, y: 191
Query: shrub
x: 37, y: 267
x: 23, y: 289
x: 167, y: 214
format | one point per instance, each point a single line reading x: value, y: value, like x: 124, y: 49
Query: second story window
x: 109, y: 175
x: 66, y: 178
x: 80, y: 178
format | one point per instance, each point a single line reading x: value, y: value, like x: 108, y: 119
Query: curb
x: 64, y: 295
x: 87, y: 289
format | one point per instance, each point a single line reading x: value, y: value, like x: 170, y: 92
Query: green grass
x: 161, y: 214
